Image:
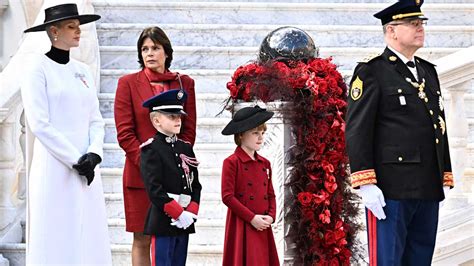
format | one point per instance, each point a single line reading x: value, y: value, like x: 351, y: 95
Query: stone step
x: 209, y: 127
x: 121, y: 254
x: 210, y: 207
x: 207, y: 104
x: 206, y: 80
x: 267, y: 13
x: 211, y: 155
x: 455, y: 239
x: 302, y: 1
x: 210, y: 179
x: 126, y: 34
x: 207, y: 130
x: 119, y: 57
x: 208, y: 232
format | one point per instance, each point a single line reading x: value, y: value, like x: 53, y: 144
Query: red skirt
x: 136, y: 205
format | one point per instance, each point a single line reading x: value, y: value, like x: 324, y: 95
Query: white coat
x: 66, y: 219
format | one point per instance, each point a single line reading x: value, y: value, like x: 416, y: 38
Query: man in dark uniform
x: 169, y: 171
x: 397, y: 142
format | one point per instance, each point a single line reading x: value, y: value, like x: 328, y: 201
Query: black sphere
x: 287, y: 43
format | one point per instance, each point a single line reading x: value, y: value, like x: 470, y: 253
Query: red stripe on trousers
x: 152, y: 253
x: 372, y: 227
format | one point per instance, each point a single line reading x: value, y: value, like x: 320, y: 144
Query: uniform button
x: 265, y: 197
x: 251, y: 197
x: 185, y: 187
x: 399, y: 90
x: 264, y: 169
x: 176, y: 154
x: 439, y: 93
x: 400, y: 158
x: 249, y: 183
x: 264, y: 183
x: 431, y: 112
x: 241, y: 194
x: 179, y: 165
x: 437, y: 140
x: 182, y: 175
x: 265, y: 212
x: 426, y: 100
x: 246, y: 169
x: 172, y: 145
x: 435, y: 126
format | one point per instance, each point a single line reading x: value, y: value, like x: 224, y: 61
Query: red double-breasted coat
x: 247, y: 190
x: 134, y: 127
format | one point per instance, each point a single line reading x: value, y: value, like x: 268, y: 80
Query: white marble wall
x: 268, y: 13
x: 252, y: 35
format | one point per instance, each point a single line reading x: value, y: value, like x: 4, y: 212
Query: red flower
x: 325, y: 217
x: 330, y: 186
x: 327, y: 167
x: 321, y: 197
x: 305, y: 198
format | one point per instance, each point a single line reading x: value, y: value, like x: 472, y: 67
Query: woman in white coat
x: 66, y: 217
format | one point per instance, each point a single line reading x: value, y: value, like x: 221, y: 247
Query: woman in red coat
x: 247, y: 191
x: 155, y: 54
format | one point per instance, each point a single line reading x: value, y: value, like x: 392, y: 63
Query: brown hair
x: 237, y: 137
x: 157, y: 35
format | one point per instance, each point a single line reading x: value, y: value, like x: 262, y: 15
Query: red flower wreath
x: 323, y: 211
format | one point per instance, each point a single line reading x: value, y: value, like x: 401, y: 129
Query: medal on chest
x: 81, y: 77
x: 420, y: 87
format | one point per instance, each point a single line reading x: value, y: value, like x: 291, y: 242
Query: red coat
x: 247, y: 190
x: 134, y: 127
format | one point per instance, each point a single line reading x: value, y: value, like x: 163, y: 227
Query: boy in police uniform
x: 397, y: 142
x: 169, y: 171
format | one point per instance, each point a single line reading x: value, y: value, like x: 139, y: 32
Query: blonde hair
x: 238, y: 136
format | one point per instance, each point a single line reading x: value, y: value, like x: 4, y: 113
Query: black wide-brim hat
x: 62, y: 12
x: 246, y: 119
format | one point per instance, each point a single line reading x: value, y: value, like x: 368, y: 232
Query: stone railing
x: 456, y: 226
x: 12, y: 143
x: 456, y: 74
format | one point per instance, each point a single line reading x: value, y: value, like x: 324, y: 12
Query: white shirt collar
x: 405, y: 60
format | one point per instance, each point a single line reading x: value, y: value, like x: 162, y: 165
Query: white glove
x: 177, y: 223
x: 445, y: 190
x: 186, y: 219
x: 373, y: 199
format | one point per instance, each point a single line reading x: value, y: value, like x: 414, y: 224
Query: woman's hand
x: 268, y: 218
x: 259, y: 222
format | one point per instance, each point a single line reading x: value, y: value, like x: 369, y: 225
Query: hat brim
x: 235, y: 127
x: 83, y: 19
x: 172, y: 112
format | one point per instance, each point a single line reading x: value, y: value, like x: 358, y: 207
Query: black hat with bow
x: 246, y: 119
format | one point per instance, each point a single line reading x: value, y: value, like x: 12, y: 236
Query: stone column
x: 457, y: 123
x: 10, y: 229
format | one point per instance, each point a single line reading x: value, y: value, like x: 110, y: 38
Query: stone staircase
x: 210, y: 40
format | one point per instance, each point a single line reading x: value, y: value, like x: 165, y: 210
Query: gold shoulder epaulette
x: 369, y: 58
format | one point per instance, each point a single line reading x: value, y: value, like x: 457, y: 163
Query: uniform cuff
x: 173, y: 209
x: 448, y: 179
x: 193, y: 207
x: 364, y: 177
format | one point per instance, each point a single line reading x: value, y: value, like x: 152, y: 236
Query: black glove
x: 86, y: 164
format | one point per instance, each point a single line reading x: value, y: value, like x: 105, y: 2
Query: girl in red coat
x: 247, y: 191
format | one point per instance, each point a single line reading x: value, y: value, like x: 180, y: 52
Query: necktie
x: 411, y: 64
